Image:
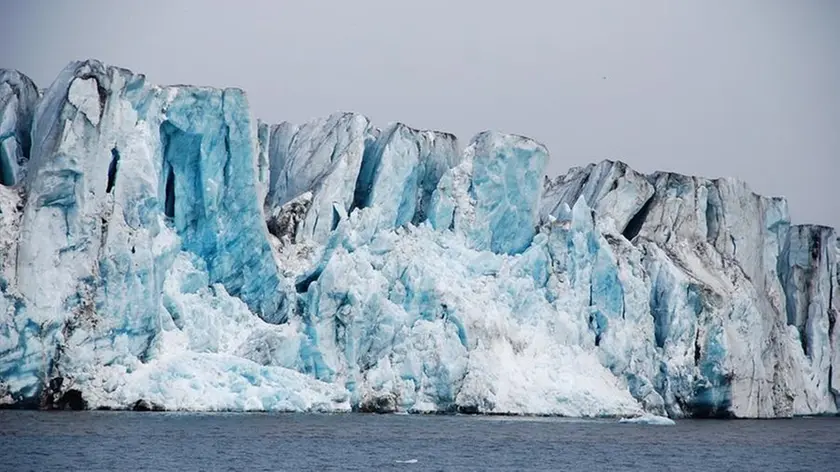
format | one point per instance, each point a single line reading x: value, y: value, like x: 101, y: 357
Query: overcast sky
x: 744, y: 88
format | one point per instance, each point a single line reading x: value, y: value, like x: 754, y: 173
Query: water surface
x: 99, y: 441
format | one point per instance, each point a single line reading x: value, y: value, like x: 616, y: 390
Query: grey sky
x: 744, y: 88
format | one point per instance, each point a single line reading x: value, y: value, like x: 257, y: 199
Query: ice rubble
x: 161, y: 249
x: 649, y: 420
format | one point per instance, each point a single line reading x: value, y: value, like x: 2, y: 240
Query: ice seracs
x: 18, y: 98
x: 616, y: 192
x: 493, y: 196
x: 210, y: 190
x: 160, y: 248
x: 323, y: 158
x: 400, y: 171
x: 808, y: 271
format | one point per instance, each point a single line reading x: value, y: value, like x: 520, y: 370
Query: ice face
x: 493, y: 196
x: 615, y: 191
x: 18, y: 97
x: 211, y: 353
x: 834, y: 313
x: 712, y: 284
x: 115, y: 189
x: 263, y: 162
x: 808, y: 278
x: 421, y: 322
x: 160, y: 248
x: 73, y: 259
x: 724, y: 280
x: 401, y: 169
x: 342, y: 163
x: 323, y: 158
x: 210, y: 189
x: 714, y: 296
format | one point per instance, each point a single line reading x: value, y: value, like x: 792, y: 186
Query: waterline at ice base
x: 163, y: 249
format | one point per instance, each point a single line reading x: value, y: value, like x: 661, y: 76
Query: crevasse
x: 162, y: 249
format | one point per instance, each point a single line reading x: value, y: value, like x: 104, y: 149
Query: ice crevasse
x: 160, y: 248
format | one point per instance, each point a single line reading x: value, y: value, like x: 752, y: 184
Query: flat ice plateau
x: 160, y: 248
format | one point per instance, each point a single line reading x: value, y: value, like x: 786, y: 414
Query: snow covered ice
x: 161, y: 248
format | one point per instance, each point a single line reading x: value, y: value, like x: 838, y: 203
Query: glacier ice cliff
x: 18, y: 97
x: 160, y: 248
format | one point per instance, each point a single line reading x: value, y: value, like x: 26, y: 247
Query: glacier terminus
x: 162, y: 249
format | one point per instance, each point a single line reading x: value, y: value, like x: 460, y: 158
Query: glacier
x: 163, y: 249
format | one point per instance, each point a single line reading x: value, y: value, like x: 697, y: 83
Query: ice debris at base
x: 649, y: 419
x: 159, y: 248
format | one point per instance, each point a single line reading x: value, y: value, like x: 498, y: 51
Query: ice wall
x: 18, y: 98
x: 162, y: 249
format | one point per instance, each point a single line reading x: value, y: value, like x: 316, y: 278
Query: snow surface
x: 159, y: 247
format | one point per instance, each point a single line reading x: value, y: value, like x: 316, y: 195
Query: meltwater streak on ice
x: 162, y: 249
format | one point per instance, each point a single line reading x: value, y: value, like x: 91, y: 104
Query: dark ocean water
x: 94, y: 441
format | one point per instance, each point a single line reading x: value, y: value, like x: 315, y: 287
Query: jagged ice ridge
x: 161, y: 249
